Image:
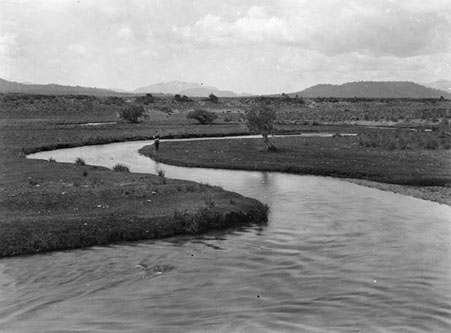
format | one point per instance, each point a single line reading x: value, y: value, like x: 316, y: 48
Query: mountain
x: 206, y: 91
x: 371, y: 89
x: 185, y: 88
x: 51, y: 89
x: 444, y: 85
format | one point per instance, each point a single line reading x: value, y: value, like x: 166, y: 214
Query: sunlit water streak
x: 334, y: 257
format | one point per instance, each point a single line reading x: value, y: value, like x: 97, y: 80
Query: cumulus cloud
x: 255, y: 26
x: 379, y: 28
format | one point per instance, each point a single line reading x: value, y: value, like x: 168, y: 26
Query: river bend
x: 334, y: 257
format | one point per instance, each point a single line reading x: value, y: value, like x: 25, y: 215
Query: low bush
x: 202, y: 116
x: 182, y: 99
x: 147, y: 99
x: 121, y: 168
x: 160, y: 173
x: 80, y: 161
x: 132, y: 113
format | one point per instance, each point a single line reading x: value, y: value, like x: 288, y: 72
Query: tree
x: 261, y: 120
x: 213, y: 98
x: 132, y: 113
x: 202, y: 116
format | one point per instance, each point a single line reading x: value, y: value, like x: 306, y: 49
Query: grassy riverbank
x: 418, y: 172
x: 47, y: 206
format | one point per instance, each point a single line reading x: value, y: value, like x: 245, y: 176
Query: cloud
x: 256, y: 27
x: 8, y: 44
x: 125, y: 32
x: 378, y: 28
x: 77, y: 49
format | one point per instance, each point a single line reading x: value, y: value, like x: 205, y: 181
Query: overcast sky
x: 241, y: 45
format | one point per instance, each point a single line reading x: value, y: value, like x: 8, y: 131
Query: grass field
x: 47, y: 206
x: 333, y: 156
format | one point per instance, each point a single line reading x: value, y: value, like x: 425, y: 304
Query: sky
x: 259, y: 47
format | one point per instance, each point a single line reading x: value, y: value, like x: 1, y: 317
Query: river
x: 334, y: 257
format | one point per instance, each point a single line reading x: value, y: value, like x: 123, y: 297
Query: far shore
x: 421, y: 174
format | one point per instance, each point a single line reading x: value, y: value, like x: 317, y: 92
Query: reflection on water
x: 334, y: 257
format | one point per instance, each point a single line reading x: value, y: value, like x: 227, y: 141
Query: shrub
x: 80, y: 161
x: 132, y: 113
x: 202, y: 116
x: 182, y: 99
x: 212, y: 98
x: 162, y: 175
x: 121, y: 168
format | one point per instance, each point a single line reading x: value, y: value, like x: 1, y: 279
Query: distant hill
x: 444, y: 85
x: 205, y: 92
x: 186, y: 88
x: 52, y: 89
x: 371, y: 89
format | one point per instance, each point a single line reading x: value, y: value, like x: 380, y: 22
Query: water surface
x: 334, y: 257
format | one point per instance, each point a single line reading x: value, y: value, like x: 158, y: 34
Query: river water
x: 334, y: 257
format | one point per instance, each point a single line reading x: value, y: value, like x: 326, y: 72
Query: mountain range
x: 186, y: 88
x: 372, y: 89
x: 444, y: 85
x: 362, y: 89
x: 52, y: 89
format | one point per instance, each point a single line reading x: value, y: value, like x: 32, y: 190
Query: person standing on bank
x: 157, y: 142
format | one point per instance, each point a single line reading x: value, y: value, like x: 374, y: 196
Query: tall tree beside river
x: 261, y: 120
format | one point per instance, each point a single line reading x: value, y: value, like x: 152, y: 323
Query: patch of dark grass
x: 208, y: 217
x: 405, y: 139
x: 191, y: 188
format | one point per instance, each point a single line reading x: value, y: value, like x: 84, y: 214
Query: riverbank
x: 47, y: 206
x: 425, y: 174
